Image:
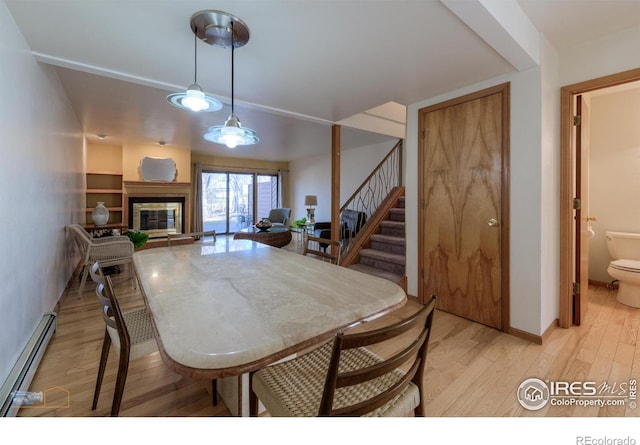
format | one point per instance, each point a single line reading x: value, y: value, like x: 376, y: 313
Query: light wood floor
x: 472, y: 370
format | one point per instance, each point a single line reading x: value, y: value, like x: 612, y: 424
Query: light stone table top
x: 238, y: 306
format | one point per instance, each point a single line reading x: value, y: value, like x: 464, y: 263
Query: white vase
x: 100, y: 214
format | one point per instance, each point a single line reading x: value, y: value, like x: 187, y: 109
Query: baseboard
x: 537, y: 339
x: 552, y: 327
x: 14, y: 391
x: 606, y: 284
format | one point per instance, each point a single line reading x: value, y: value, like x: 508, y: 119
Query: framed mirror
x: 158, y: 169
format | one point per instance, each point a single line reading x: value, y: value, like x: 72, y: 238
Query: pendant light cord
x: 232, y: 63
x: 195, y: 55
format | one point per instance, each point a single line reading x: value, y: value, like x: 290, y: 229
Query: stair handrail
x: 374, y: 189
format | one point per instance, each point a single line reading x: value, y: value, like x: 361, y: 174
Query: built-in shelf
x: 104, y: 190
x: 106, y: 187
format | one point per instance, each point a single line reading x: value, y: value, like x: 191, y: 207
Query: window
x: 230, y: 202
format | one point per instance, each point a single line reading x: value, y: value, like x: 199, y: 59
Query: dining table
x: 222, y: 310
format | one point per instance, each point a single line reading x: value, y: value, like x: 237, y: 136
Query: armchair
x: 279, y: 217
x: 109, y: 251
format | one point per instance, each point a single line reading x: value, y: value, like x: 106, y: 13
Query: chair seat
x: 294, y: 388
x: 140, y: 332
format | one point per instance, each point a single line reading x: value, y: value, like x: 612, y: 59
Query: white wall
x: 550, y: 183
x: 596, y: 58
x: 614, y: 166
x: 312, y: 176
x: 40, y: 182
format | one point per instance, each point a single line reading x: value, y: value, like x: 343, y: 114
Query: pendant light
x: 194, y: 98
x: 232, y: 133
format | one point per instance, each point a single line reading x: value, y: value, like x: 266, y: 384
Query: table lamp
x: 310, y: 201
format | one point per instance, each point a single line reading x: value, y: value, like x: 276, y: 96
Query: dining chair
x: 130, y: 333
x: 322, y: 248
x: 109, y: 251
x: 140, y: 334
x: 173, y: 237
x: 344, y: 378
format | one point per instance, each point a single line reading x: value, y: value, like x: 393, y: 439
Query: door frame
x: 567, y: 182
x: 505, y: 188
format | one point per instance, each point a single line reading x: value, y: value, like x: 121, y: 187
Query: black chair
x: 351, y: 221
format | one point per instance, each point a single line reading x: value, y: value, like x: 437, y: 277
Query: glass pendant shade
x: 231, y: 133
x: 194, y: 99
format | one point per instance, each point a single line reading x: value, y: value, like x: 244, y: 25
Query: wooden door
x: 581, y: 292
x: 463, y: 219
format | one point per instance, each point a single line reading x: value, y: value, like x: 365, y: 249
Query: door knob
x: 591, y: 218
x: 492, y: 222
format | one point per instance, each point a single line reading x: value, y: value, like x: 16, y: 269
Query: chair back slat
x: 386, y: 333
x: 96, y: 273
x: 98, y: 277
x: 121, y: 326
x: 111, y: 312
x: 107, y: 312
x: 361, y: 375
x: 415, y: 354
x: 375, y: 402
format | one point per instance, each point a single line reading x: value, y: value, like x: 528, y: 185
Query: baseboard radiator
x: 22, y: 373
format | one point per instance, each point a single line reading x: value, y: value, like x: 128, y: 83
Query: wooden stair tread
x: 398, y: 240
x: 383, y: 256
x: 389, y: 223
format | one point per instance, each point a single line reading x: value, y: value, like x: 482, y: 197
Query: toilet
x: 624, y: 250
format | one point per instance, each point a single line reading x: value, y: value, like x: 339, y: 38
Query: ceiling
x: 308, y: 64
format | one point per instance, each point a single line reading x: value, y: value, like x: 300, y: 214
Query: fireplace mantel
x: 144, y: 184
x: 157, y: 189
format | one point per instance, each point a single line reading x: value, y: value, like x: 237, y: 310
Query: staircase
x: 384, y: 255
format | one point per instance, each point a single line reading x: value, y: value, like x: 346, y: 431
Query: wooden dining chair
x: 130, y: 333
x: 344, y: 378
x: 172, y: 238
x: 135, y: 325
x: 323, y: 249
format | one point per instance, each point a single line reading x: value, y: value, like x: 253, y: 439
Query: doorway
x: 572, y: 259
x: 463, y: 222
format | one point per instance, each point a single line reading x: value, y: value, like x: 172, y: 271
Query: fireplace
x: 156, y: 216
